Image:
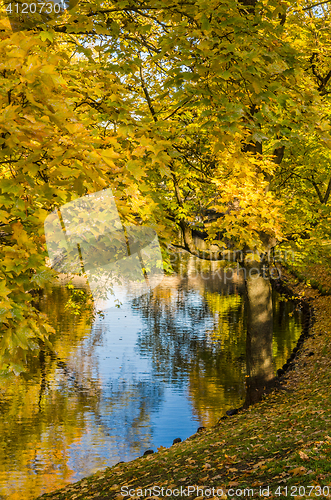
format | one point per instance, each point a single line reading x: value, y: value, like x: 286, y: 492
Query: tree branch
x: 218, y: 255
x: 179, y: 107
x: 317, y: 191
x: 327, y: 194
x: 149, y: 102
x: 316, y: 4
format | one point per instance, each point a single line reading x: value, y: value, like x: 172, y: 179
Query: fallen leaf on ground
x: 298, y: 471
x: 259, y: 464
x: 303, y: 455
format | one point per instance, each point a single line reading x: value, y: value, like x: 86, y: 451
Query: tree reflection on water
x: 155, y: 369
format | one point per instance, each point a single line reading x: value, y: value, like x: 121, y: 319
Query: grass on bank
x: 283, y: 443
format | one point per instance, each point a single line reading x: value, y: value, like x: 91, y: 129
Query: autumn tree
x: 200, y: 115
x: 52, y: 150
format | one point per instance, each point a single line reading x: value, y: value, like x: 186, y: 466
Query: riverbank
x: 283, y: 442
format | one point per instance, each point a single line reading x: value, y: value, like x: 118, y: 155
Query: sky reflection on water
x: 151, y: 371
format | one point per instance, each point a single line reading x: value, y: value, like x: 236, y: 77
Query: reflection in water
x: 146, y: 373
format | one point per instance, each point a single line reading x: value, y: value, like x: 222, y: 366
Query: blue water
x: 153, y: 370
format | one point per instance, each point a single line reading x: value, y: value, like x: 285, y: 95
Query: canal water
x: 152, y: 370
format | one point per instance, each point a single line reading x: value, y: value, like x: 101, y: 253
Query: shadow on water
x: 149, y: 372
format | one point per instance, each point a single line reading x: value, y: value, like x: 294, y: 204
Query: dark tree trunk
x: 260, y: 371
x: 259, y: 333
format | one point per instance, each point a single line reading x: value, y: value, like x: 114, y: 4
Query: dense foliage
x: 184, y: 108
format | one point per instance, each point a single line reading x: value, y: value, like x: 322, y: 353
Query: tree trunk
x: 260, y: 371
x: 259, y: 333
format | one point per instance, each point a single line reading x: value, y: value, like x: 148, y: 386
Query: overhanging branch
x: 316, y: 4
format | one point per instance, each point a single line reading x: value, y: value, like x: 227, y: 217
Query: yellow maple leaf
x: 298, y: 471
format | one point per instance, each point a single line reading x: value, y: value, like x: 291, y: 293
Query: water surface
x: 150, y: 371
